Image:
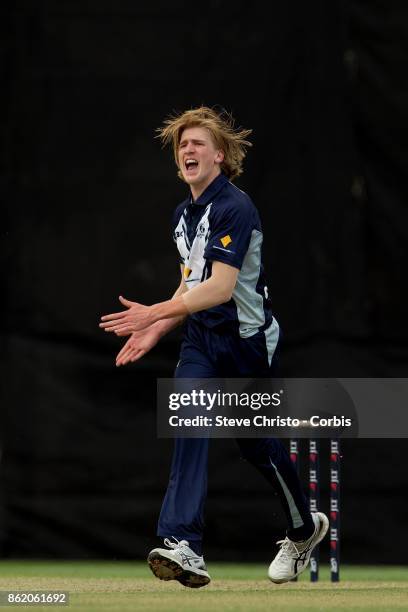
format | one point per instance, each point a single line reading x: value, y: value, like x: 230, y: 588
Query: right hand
x: 139, y: 343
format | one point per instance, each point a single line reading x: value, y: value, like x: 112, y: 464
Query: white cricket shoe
x: 293, y: 557
x: 179, y: 563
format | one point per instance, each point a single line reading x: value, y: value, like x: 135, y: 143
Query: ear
x: 219, y: 158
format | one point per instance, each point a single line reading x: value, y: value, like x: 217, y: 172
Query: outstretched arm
x: 212, y: 292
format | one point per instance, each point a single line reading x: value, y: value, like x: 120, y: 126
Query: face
x: 199, y: 160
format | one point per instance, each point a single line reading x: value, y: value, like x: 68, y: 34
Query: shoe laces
x: 287, y: 549
x: 176, y: 544
x: 181, y: 546
x: 290, y: 548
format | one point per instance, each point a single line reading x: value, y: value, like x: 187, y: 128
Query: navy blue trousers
x: 208, y: 354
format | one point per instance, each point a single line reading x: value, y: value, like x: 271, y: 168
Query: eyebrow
x: 195, y: 140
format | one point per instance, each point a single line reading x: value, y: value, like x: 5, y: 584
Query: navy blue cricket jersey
x: 224, y: 225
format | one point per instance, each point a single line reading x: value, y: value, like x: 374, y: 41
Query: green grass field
x: 120, y: 586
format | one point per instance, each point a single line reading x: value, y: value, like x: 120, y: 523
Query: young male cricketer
x: 230, y: 332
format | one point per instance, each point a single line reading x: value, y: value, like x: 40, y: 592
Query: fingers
x: 123, y: 360
x: 117, y: 315
x: 126, y: 328
x: 133, y: 354
x: 113, y: 317
x: 121, y: 324
x: 124, y: 355
x: 126, y: 302
x: 110, y: 326
x: 125, y: 348
x: 128, y: 350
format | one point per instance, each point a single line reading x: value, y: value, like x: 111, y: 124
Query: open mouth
x: 191, y: 164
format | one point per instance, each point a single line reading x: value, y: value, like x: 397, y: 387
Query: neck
x: 197, y: 190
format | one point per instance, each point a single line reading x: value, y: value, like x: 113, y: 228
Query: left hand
x: 136, y: 317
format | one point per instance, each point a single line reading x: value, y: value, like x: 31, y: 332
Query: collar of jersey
x: 211, y: 191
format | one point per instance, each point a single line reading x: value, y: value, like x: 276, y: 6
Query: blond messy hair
x: 226, y: 137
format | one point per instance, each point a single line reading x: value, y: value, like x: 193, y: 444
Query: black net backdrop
x: 89, y: 196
